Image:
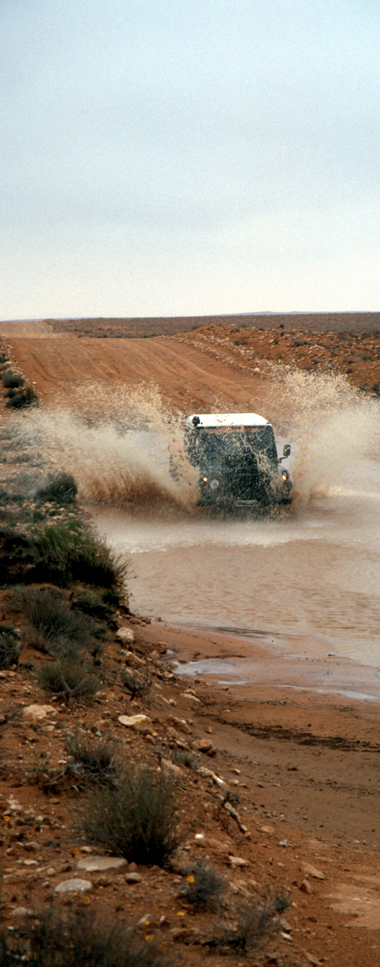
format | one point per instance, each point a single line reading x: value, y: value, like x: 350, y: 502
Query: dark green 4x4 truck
x: 237, y: 460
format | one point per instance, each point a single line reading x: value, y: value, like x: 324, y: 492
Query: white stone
x: 39, y: 711
x: 97, y: 864
x: 73, y: 886
x: 191, y: 698
x: 135, y: 721
x: 180, y: 724
x: 126, y: 635
x: 238, y: 861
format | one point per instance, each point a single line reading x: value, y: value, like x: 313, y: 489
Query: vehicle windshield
x: 217, y: 443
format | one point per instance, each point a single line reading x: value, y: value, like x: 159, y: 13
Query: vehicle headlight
x: 214, y: 484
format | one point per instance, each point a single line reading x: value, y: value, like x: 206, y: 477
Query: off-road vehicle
x: 237, y: 460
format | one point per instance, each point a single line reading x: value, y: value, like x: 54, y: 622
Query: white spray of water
x: 116, y: 444
x: 332, y: 425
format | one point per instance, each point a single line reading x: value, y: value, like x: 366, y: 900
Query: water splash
x: 116, y: 444
x: 331, y: 424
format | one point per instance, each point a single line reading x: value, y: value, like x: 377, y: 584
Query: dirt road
x: 212, y: 367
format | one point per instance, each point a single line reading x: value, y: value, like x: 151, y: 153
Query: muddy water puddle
x: 307, y: 582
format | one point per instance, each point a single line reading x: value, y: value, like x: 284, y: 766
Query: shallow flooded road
x: 307, y: 580
x: 311, y: 574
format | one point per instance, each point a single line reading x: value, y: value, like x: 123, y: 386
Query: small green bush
x: 12, y: 380
x: 99, y: 604
x: 15, y: 554
x: 66, y: 552
x: 137, y: 819
x: 93, y: 762
x: 51, y: 616
x: 76, y: 938
x: 15, y: 402
x: 9, y: 646
x: 69, y: 679
x: 259, y: 922
x: 185, y: 757
x: 29, y: 396
x: 61, y: 488
x: 60, y: 553
x: 204, y: 887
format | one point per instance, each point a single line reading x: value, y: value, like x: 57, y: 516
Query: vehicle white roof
x: 227, y: 419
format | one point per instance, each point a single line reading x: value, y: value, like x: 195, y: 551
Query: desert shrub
x: 12, y: 380
x: 15, y: 553
x: 93, y: 762
x: 77, y: 937
x: 51, y: 616
x: 137, y: 819
x: 98, y: 604
x: 69, y: 679
x: 66, y: 552
x: 10, y: 498
x: 185, y: 757
x: 204, y: 887
x: 9, y: 646
x: 15, y: 402
x: 259, y: 922
x: 61, y: 488
x: 58, y: 553
x: 280, y: 901
x: 28, y: 396
x: 138, y: 685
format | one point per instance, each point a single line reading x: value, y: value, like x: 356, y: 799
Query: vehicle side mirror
x: 286, y: 450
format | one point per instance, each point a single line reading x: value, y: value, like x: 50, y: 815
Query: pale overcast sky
x: 166, y: 157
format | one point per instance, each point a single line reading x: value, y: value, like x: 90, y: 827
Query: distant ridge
x: 146, y: 327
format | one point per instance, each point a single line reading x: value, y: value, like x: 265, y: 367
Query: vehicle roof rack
x: 225, y: 419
